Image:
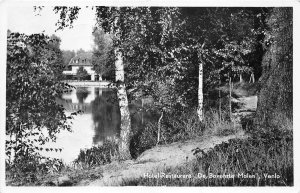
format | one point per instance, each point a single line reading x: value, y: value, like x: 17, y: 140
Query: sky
x: 23, y: 19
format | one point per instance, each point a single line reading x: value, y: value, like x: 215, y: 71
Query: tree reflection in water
x: 82, y: 93
x: 106, y: 116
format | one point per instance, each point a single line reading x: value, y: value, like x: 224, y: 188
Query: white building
x: 82, y: 60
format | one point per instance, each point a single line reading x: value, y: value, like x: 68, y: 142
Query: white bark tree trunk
x: 241, y: 78
x: 200, y: 93
x: 159, y: 127
x: 124, y: 109
x: 230, y: 93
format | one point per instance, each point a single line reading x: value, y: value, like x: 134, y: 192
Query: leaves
x: 33, y: 83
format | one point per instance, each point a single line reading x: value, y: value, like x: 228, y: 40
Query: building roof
x: 82, y: 59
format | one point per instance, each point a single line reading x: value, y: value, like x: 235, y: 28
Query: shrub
x: 27, y: 169
x: 97, y: 155
x: 145, y: 138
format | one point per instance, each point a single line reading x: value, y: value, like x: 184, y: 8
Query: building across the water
x: 83, y: 60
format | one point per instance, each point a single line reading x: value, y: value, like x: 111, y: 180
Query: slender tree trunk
x: 220, y: 101
x: 200, y: 92
x: 241, y: 78
x: 252, y: 79
x: 124, y: 109
x: 230, y: 90
x: 159, y: 127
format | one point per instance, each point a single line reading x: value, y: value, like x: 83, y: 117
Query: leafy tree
x: 67, y: 56
x: 224, y: 41
x: 32, y: 115
x: 56, y: 55
x: 80, y: 51
x: 82, y: 74
x: 103, y: 58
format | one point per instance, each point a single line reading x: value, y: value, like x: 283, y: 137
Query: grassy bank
x: 36, y: 170
x: 265, y: 159
x: 181, y: 127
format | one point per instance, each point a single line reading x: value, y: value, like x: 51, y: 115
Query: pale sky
x: 24, y: 19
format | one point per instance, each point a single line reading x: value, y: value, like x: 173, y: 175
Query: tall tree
x: 57, y: 56
x: 112, y: 20
x: 67, y: 56
x: 32, y: 86
x: 275, y: 101
x: 103, y: 59
x: 82, y: 74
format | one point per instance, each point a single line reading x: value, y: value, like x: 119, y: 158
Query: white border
x: 193, y: 3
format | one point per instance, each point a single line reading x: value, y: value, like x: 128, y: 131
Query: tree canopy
x: 103, y: 57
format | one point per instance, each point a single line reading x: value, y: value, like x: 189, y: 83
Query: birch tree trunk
x: 220, y: 100
x: 159, y: 128
x: 241, y: 78
x: 200, y: 92
x: 230, y: 93
x: 124, y: 109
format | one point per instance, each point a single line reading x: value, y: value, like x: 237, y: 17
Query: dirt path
x: 157, y: 158
x: 162, y: 156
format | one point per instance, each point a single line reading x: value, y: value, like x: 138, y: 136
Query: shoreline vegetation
x: 258, y: 154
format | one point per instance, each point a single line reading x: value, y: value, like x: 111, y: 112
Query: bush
x: 97, y: 155
x: 27, y: 169
x: 144, y: 138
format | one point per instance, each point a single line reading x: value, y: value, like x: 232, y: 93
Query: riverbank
x: 157, y: 158
x: 191, y: 135
x: 116, y: 172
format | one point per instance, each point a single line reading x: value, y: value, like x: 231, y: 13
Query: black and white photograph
x: 107, y: 95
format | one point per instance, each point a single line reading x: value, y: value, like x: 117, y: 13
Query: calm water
x: 99, y: 121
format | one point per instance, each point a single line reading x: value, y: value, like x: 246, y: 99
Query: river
x: 100, y: 120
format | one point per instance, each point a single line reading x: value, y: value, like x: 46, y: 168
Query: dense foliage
x: 103, y: 57
x: 82, y: 74
x: 67, y: 56
x: 32, y: 115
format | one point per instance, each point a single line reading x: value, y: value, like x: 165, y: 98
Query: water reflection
x: 100, y: 120
x: 106, y: 116
x: 101, y: 105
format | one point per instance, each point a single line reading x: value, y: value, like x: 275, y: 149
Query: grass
x: 33, y: 170
x: 181, y: 128
x: 97, y: 155
x: 249, y: 160
x: 47, y: 174
x: 219, y: 125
